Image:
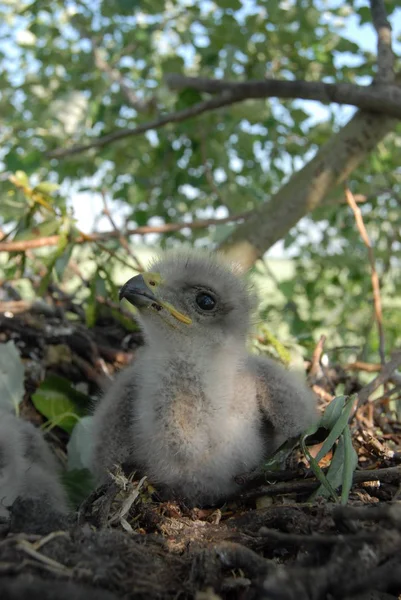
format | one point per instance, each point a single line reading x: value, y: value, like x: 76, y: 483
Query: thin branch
x: 360, y: 365
x: 385, y: 55
x: 52, y: 240
x: 302, y: 486
x: 176, y: 117
x: 122, y: 239
x: 374, y: 276
x: 388, y: 394
x: 379, y: 98
x: 109, y: 251
x: 383, y: 377
x: 371, y: 368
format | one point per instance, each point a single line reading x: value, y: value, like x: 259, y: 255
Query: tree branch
x: 383, y: 377
x: 182, y: 115
x: 306, y: 189
x: 381, y: 98
x: 385, y: 55
x: 378, y: 98
x: 52, y: 240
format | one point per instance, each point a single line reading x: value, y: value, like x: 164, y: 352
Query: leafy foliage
x: 72, y: 73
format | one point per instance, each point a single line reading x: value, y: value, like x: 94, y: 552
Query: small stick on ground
x: 322, y: 393
x: 308, y: 485
x: 50, y: 563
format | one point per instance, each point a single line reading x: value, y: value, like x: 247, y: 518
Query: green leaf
x: 350, y: 464
x: 46, y: 187
x: 230, y: 4
x: 287, y: 288
x: 12, y: 374
x: 60, y: 402
x: 79, y: 483
x: 337, y: 428
x: 187, y: 98
x: 61, y: 247
x: 48, y: 227
x: 320, y: 476
x: 278, y: 460
x: 80, y: 444
x: 334, y: 475
x: 22, y: 178
x: 97, y: 288
x: 364, y: 14
x: 332, y: 412
x: 62, y: 261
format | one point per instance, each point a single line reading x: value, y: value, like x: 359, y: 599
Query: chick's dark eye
x: 205, y: 301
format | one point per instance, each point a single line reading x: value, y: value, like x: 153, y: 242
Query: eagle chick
x: 195, y: 409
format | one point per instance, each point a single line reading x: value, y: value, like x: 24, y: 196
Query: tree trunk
x: 307, y: 188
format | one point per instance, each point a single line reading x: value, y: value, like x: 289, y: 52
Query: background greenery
x: 72, y: 72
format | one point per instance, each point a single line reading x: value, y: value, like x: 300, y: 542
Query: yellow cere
x: 152, y: 280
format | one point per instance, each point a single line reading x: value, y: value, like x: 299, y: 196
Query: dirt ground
x: 270, y: 542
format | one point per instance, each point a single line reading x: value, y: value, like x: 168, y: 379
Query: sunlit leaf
x: 21, y: 178
x: 60, y: 402
x: 47, y: 187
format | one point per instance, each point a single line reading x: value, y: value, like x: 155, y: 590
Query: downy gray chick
x: 28, y: 469
x: 195, y: 409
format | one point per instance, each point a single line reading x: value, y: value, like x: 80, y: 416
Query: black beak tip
x: 137, y: 292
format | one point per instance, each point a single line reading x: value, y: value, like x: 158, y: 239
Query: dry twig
x: 374, y: 276
x: 383, y: 377
x: 52, y: 240
x: 122, y: 239
x: 317, y: 355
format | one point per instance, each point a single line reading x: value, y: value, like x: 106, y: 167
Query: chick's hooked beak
x: 140, y: 292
